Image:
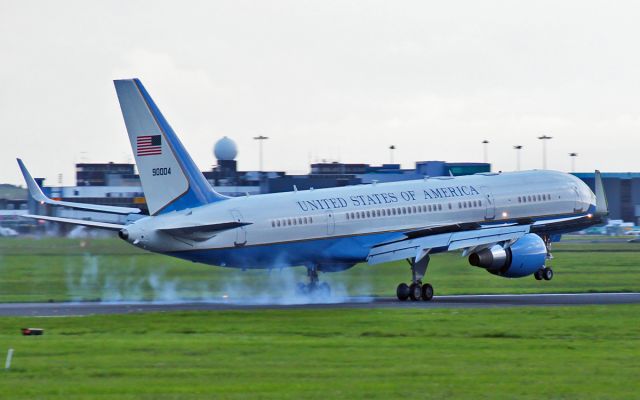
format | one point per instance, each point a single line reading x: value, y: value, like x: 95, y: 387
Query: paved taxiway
x: 474, y: 301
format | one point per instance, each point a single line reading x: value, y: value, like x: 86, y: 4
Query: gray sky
x: 334, y: 80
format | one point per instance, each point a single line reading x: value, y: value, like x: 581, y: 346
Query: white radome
x: 225, y: 149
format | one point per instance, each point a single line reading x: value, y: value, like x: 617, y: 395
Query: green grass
x: 109, y: 269
x: 513, y: 353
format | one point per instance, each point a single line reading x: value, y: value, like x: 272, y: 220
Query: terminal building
x: 118, y: 184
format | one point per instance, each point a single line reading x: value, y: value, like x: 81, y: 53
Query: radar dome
x: 225, y: 149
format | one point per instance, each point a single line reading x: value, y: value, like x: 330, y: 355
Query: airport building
x: 118, y: 184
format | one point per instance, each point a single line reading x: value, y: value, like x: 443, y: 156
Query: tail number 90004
x: 161, y: 171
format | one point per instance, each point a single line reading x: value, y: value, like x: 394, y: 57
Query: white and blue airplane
x: 503, y: 222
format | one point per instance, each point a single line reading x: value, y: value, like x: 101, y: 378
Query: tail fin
x: 602, y: 207
x: 170, y: 179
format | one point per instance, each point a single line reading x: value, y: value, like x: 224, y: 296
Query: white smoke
x: 126, y: 283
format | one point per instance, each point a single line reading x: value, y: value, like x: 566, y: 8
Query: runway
x: 466, y: 301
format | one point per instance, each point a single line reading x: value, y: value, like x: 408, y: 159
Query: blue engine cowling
x: 524, y: 257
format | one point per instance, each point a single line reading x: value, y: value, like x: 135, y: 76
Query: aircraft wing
x: 36, y: 193
x: 92, y: 224
x: 418, y: 247
x: 470, y: 237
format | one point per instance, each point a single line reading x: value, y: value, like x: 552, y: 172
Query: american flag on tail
x: 150, y: 145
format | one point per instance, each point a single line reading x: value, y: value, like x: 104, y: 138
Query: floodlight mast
x: 573, y: 161
x: 544, y: 139
x: 485, y: 144
x: 518, y: 148
x: 260, y: 139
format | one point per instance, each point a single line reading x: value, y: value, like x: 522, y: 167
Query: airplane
x: 503, y: 222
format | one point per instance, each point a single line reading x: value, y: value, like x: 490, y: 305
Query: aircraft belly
x: 351, y: 249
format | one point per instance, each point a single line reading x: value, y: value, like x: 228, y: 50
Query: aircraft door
x: 241, y: 233
x: 490, y: 205
x: 577, y: 207
x: 331, y: 223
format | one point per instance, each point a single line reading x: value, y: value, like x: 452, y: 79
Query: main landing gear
x: 416, y: 290
x: 545, y: 272
x: 314, y: 287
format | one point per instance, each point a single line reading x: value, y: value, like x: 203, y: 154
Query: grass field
x: 516, y: 353
x: 511, y: 353
x: 109, y: 269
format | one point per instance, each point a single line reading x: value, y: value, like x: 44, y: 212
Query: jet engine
x: 524, y: 257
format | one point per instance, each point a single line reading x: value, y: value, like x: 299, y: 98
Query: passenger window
x: 305, y: 220
x: 440, y: 207
x: 310, y: 220
x: 450, y: 207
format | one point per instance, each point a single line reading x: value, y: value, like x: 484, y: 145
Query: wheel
x: 547, y: 274
x: 402, y: 292
x: 415, y: 291
x: 324, y: 290
x: 427, y: 292
x: 538, y: 274
x: 301, y: 289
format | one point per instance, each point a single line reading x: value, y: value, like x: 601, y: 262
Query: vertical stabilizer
x: 170, y: 179
x: 602, y: 207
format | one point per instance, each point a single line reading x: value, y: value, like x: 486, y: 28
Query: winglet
x: 602, y: 207
x: 34, y: 189
x: 36, y: 192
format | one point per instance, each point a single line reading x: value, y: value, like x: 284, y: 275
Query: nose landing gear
x: 417, y: 290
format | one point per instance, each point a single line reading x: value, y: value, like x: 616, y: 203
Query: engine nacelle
x: 524, y: 257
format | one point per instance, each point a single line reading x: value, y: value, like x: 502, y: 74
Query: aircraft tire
x: 402, y: 292
x: 415, y: 291
x: 324, y: 290
x: 538, y: 274
x: 547, y: 274
x: 427, y: 292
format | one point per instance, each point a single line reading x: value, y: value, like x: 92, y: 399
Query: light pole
x: 573, y: 161
x: 485, y: 144
x: 544, y: 139
x: 517, y: 148
x: 391, y: 149
x: 260, y: 139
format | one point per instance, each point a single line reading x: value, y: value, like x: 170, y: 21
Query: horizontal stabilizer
x: 202, y: 232
x: 36, y: 193
x: 92, y: 224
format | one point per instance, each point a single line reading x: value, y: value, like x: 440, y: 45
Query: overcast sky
x: 324, y: 80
